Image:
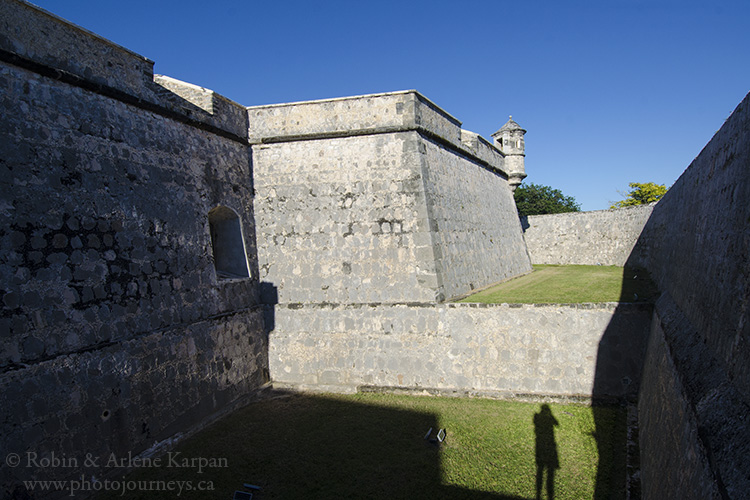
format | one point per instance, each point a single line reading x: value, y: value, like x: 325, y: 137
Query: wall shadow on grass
x: 305, y: 446
x: 312, y: 446
x: 619, y: 364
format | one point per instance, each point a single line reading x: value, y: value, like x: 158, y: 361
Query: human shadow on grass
x: 547, y: 458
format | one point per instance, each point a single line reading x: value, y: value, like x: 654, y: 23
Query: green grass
x: 549, y: 284
x: 372, y: 446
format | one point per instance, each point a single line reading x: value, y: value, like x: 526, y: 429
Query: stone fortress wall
x: 695, y: 399
x: 371, y: 211
x: 131, y: 277
x: 601, y: 237
x: 116, y: 331
x: 386, y: 190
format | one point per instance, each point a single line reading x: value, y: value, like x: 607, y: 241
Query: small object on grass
x: 251, y: 486
x: 242, y: 495
x: 441, y: 435
x: 568, y: 413
x: 438, y: 439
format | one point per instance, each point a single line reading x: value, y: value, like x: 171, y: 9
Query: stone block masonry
x: 348, y: 116
x: 668, y: 425
x: 589, y: 350
x: 377, y: 199
x: 696, y: 394
x: 76, y: 56
x: 343, y: 220
x: 116, y: 330
x: 475, y: 231
x: 602, y: 237
x: 129, y: 274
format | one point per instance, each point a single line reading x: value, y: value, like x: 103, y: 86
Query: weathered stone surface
x: 592, y: 350
x: 475, y: 232
x: 119, y: 331
x: 69, y: 53
x: 381, y: 218
x: 111, y: 305
x: 605, y: 237
x: 696, y: 246
x: 668, y: 425
x: 343, y: 220
x: 348, y: 116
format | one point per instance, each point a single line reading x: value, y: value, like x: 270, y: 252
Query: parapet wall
x: 36, y: 40
x: 602, y: 237
x: 346, y: 116
x: 42, y: 37
x: 696, y: 392
x: 589, y: 350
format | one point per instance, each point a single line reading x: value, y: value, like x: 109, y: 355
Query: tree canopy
x: 535, y: 199
x: 641, y: 194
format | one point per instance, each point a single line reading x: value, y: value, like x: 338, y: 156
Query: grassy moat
x: 373, y: 446
x: 550, y: 284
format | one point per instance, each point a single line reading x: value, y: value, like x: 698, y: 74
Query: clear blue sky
x: 610, y: 91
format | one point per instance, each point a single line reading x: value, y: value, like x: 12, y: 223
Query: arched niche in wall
x: 227, y: 243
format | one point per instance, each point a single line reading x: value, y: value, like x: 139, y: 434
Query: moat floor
x: 377, y: 446
x: 549, y: 284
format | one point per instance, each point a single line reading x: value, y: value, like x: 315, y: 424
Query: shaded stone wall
x: 669, y: 428
x: 574, y: 350
x: 116, y: 331
x: 602, y: 237
x: 696, y: 246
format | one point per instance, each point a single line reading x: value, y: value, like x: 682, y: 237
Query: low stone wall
x: 592, y: 350
x: 605, y: 237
